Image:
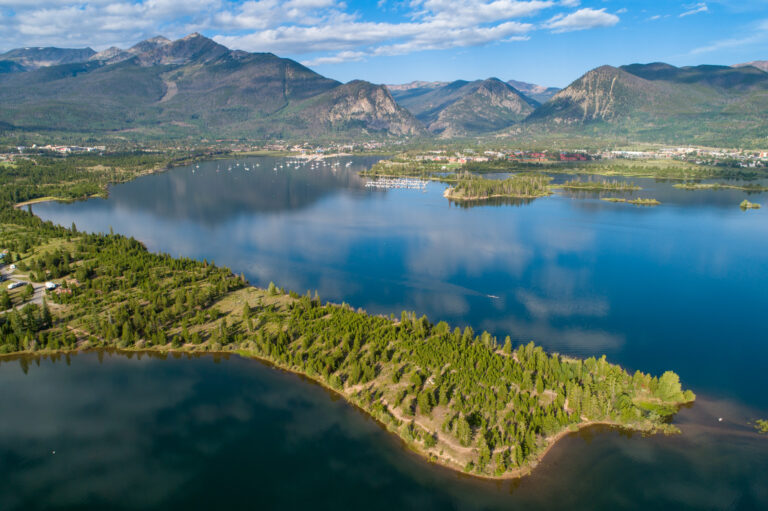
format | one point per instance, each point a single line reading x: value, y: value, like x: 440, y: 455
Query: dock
x: 403, y: 182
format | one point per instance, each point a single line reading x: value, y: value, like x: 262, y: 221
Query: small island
x: 721, y: 186
x: 637, y: 202
x: 761, y: 425
x: 745, y: 205
x: 600, y: 186
x: 470, y: 187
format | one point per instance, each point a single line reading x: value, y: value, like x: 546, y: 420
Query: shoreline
x: 448, y: 195
x: 432, y: 455
x: 424, y: 455
x: 104, y: 194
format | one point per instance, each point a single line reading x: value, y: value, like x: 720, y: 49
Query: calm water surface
x: 180, y: 434
x: 681, y: 286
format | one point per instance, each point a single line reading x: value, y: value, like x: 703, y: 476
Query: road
x: 12, y: 276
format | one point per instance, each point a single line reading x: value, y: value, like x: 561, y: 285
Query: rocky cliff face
x: 478, y: 107
x: 602, y: 94
x: 463, y: 108
x: 366, y: 105
x: 193, y: 47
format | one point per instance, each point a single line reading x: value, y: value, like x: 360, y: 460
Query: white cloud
x: 694, y: 9
x: 99, y: 23
x: 758, y: 35
x: 433, y: 24
x: 466, y: 12
x: 326, y: 31
x: 582, y: 19
x: 342, y: 56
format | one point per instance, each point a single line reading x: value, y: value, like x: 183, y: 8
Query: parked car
x: 14, y: 285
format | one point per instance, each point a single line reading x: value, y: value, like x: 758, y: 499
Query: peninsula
x: 460, y: 398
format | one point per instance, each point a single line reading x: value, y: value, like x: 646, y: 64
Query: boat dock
x: 402, y: 182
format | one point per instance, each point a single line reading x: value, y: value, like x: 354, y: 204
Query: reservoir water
x: 681, y: 286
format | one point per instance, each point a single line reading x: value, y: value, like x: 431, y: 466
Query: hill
x: 725, y: 78
x: 26, y: 59
x: 464, y: 108
x: 759, y: 64
x: 196, y: 86
x: 661, y: 103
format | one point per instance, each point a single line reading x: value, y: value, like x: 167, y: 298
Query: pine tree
x: 46, y: 319
x: 484, y: 452
x: 5, y: 300
x: 463, y: 431
x: 508, y: 345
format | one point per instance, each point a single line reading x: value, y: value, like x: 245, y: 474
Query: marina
x: 388, y: 182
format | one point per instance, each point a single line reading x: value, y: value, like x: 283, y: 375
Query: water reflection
x: 135, y: 432
x: 492, y: 201
x: 653, y: 288
x: 213, y: 192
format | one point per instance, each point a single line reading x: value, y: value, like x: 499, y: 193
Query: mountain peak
x: 158, y: 39
x: 417, y: 84
x: 460, y: 107
x: 161, y: 51
x: 148, y: 45
x: 540, y: 93
x: 601, y: 94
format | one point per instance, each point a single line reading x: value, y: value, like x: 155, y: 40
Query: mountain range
x: 195, y: 86
x: 463, y: 108
x: 659, y: 102
x: 191, y: 85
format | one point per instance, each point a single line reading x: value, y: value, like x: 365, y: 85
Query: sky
x: 548, y: 42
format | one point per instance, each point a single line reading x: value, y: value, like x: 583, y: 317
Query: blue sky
x: 550, y: 42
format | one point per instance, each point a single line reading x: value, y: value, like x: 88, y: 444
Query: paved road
x: 12, y: 276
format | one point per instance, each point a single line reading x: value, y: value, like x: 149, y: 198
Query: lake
x: 99, y: 431
x: 680, y: 286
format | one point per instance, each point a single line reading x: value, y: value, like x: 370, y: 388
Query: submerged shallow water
x: 680, y: 286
